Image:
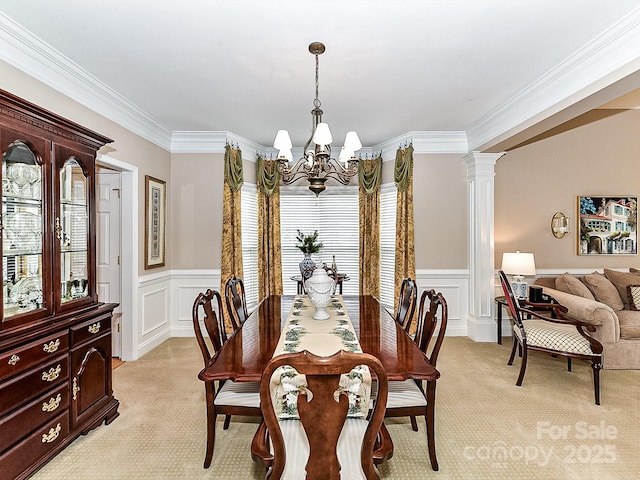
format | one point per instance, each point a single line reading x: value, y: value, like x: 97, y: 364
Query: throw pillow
x: 621, y: 280
x: 568, y: 283
x: 603, y: 290
x: 634, y: 296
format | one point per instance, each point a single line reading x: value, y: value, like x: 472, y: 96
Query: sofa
x: 609, y: 301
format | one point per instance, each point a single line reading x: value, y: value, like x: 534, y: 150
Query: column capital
x: 479, y: 163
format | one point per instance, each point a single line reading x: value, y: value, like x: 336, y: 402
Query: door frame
x: 129, y: 253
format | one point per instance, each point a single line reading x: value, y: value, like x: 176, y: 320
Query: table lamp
x: 518, y: 265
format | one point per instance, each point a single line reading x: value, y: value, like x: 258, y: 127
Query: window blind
x: 388, y: 194
x: 335, y: 215
x: 249, y: 208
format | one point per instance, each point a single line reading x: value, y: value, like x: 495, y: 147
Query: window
x: 335, y: 215
x: 388, y: 194
x: 249, y: 208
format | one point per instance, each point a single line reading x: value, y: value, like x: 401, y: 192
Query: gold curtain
x: 269, y: 250
x: 405, y: 247
x: 369, y: 176
x: 231, y: 264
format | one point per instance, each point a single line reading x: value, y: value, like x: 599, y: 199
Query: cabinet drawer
x: 89, y: 330
x: 38, y: 380
x: 19, y: 359
x: 24, y: 454
x: 22, y: 422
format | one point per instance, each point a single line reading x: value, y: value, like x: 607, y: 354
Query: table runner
x: 324, y: 338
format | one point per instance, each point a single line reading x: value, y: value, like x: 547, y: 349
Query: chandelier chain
x: 316, y: 102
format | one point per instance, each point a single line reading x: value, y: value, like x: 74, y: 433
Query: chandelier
x: 316, y: 164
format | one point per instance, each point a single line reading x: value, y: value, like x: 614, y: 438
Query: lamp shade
x: 345, y: 155
x: 352, y: 142
x: 518, y: 263
x: 322, y: 135
x: 282, y: 141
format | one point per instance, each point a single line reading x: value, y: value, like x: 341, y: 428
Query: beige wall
x: 537, y: 180
x: 196, y: 206
x: 194, y: 189
x: 127, y: 146
x: 440, y: 210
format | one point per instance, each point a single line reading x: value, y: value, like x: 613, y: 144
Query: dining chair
x: 556, y: 334
x: 407, y: 300
x: 408, y: 398
x: 236, y: 300
x: 325, y: 443
x: 229, y: 398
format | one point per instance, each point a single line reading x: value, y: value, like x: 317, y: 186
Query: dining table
x: 248, y: 350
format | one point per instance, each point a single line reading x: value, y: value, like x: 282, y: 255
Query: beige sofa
x: 610, y: 302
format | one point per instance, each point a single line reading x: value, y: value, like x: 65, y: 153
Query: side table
x: 501, y: 301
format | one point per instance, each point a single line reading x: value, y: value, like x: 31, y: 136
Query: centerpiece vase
x: 306, y: 263
x: 320, y: 288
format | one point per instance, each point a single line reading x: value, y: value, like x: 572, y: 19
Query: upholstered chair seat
x: 564, y: 338
x: 238, y: 394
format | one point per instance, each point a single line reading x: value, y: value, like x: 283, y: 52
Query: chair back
x: 236, y: 301
x: 210, y: 304
x: 407, y: 303
x: 323, y: 414
x: 431, y: 315
x: 512, y: 301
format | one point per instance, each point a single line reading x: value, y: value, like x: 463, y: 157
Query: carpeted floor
x: 486, y: 427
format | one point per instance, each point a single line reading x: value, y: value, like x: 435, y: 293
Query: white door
x: 108, y: 248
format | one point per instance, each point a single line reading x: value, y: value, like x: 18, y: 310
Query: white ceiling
x: 489, y: 68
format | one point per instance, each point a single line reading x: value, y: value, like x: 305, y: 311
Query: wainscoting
x: 165, y: 300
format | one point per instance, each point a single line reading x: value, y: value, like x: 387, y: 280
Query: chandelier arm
x: 290, y: 174
x: 333, y: 169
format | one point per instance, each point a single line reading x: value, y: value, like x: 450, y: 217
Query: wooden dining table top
x: 243, y: 357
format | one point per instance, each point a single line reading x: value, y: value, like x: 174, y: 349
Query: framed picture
x: 608, y: 225
x: 155, y: 221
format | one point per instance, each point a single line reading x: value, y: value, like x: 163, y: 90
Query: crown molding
x: 606, y: 59
x: 25, y: 51
x: 424, y: 142
x: 214, y: 142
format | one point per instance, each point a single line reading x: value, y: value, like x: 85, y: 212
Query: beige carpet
x: 487, y: 428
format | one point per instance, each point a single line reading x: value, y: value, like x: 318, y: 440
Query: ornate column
x: 481, y: 325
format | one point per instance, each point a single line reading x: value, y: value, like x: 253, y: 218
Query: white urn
x: 320, y: 287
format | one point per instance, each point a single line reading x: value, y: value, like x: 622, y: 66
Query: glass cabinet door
x: 72, y: 231
x: 22, y: 230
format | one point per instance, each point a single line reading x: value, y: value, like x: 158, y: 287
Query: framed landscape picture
x: 608, y: 225
x: 155, y: 220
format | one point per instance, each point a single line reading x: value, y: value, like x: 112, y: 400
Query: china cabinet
x: 55, y: 336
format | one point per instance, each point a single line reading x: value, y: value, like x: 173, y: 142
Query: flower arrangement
x: 308, y: 243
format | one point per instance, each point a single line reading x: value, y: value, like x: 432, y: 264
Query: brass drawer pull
x: 52, y: 435
x: 52, y: 404
x: 95, y: 328
x: 52, y: 346
x: 14, y: 359
x: 76, y: 388
x: 52, y: 374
